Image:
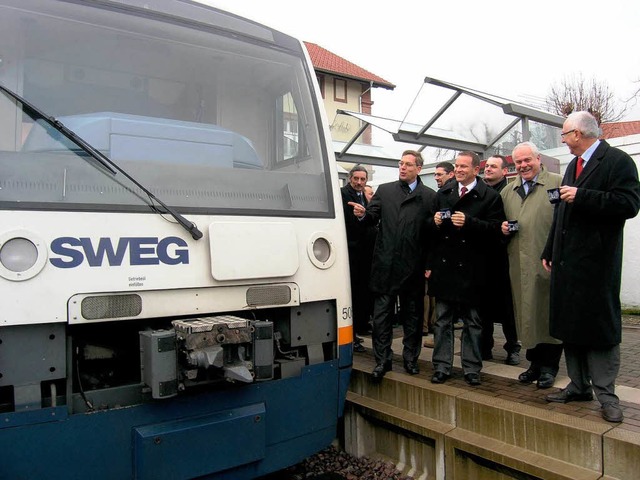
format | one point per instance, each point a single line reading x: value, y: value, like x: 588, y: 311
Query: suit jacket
x: 585, y: 246
x: 356, y: 229
x: 458, y: 261
x: 402, y: 241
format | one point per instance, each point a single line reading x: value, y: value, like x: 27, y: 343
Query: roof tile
x: 620, y: 129
x: 324, y: 60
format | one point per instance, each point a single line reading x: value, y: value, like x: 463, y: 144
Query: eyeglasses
x: 563, y: 134
x: 438, y: 174
x: 406, y: 164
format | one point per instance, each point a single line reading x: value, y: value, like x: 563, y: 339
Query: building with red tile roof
x: 620, y: 129
x: 325, y: 61
x: 344, y: 86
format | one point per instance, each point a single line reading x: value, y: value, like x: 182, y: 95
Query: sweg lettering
x: 142, y: 251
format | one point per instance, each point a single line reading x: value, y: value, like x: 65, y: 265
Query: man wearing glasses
x: 599, y: 192
x: 443, y: 173
x: 402, y: 209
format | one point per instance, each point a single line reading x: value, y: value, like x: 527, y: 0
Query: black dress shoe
x: 611, y: 412
x: 546, y: 380
x: 358, y: 347
x: 439, y: 377
x: 380, y: 370
x: 513, y: 358
x: 412, y: 368
x: 564, y: 396
x: 472, y: 379
x: 529, y: 376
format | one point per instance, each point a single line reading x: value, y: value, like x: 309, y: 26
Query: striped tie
x: 530, y: 184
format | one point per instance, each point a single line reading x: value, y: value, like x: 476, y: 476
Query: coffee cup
x: 512, y: 226
x: 554, y: 195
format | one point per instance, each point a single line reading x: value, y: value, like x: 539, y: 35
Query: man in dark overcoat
x: 458, y: 264
x: 359, y: 255
x: 401, y: 210
x: 497, y: 304
x: 442, y: 174
x: 584, y: 255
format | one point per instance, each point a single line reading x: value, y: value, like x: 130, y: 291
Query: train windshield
x: 211, y: 118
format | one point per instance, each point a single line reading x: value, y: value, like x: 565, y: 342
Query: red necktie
x: 463, y: 191
x: 579, y: 166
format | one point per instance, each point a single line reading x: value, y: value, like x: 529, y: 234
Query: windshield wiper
x: 105, y: 161
x: 58, y: 125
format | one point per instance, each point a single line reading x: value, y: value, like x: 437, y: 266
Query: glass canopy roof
x: 445, y: 118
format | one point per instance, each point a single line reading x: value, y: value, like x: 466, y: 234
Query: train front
x: 173, y: 265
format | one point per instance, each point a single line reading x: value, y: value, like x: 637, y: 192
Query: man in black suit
x: 442, y: 174
x: 584, y: 255
x: 359, y: 256
x: 401, y: 209
x: 467, y: 221
x: 497, y: 305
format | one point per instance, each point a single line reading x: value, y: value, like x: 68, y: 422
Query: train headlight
x: 321, y: 251
x: 22, y: 255
x: 18, y: 254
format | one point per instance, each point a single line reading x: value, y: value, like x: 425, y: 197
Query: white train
x: 173, y: 267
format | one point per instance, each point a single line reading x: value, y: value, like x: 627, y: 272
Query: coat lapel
x: 570, y: 173
x: 409, y: 196
x: 353, y: 195
x: 592, y: 164
x: 519, y: 188
x: 452, y: 192
x: 480, y: 190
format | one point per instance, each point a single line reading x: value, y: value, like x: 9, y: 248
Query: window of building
x: 340, y: 90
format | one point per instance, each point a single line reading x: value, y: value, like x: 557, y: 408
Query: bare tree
x: 479, y: 131
x: 576, y: 93
x: 635, y: 96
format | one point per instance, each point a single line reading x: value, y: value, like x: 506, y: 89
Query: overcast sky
x: 508, y: 48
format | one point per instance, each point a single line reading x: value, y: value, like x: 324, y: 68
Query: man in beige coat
x: 527, y: 201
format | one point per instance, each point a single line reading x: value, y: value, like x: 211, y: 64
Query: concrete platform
x: 501, y: 380
x: 501, y: 429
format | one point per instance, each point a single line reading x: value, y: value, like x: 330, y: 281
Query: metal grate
x: 269, y: 295
x: 111, y: 306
